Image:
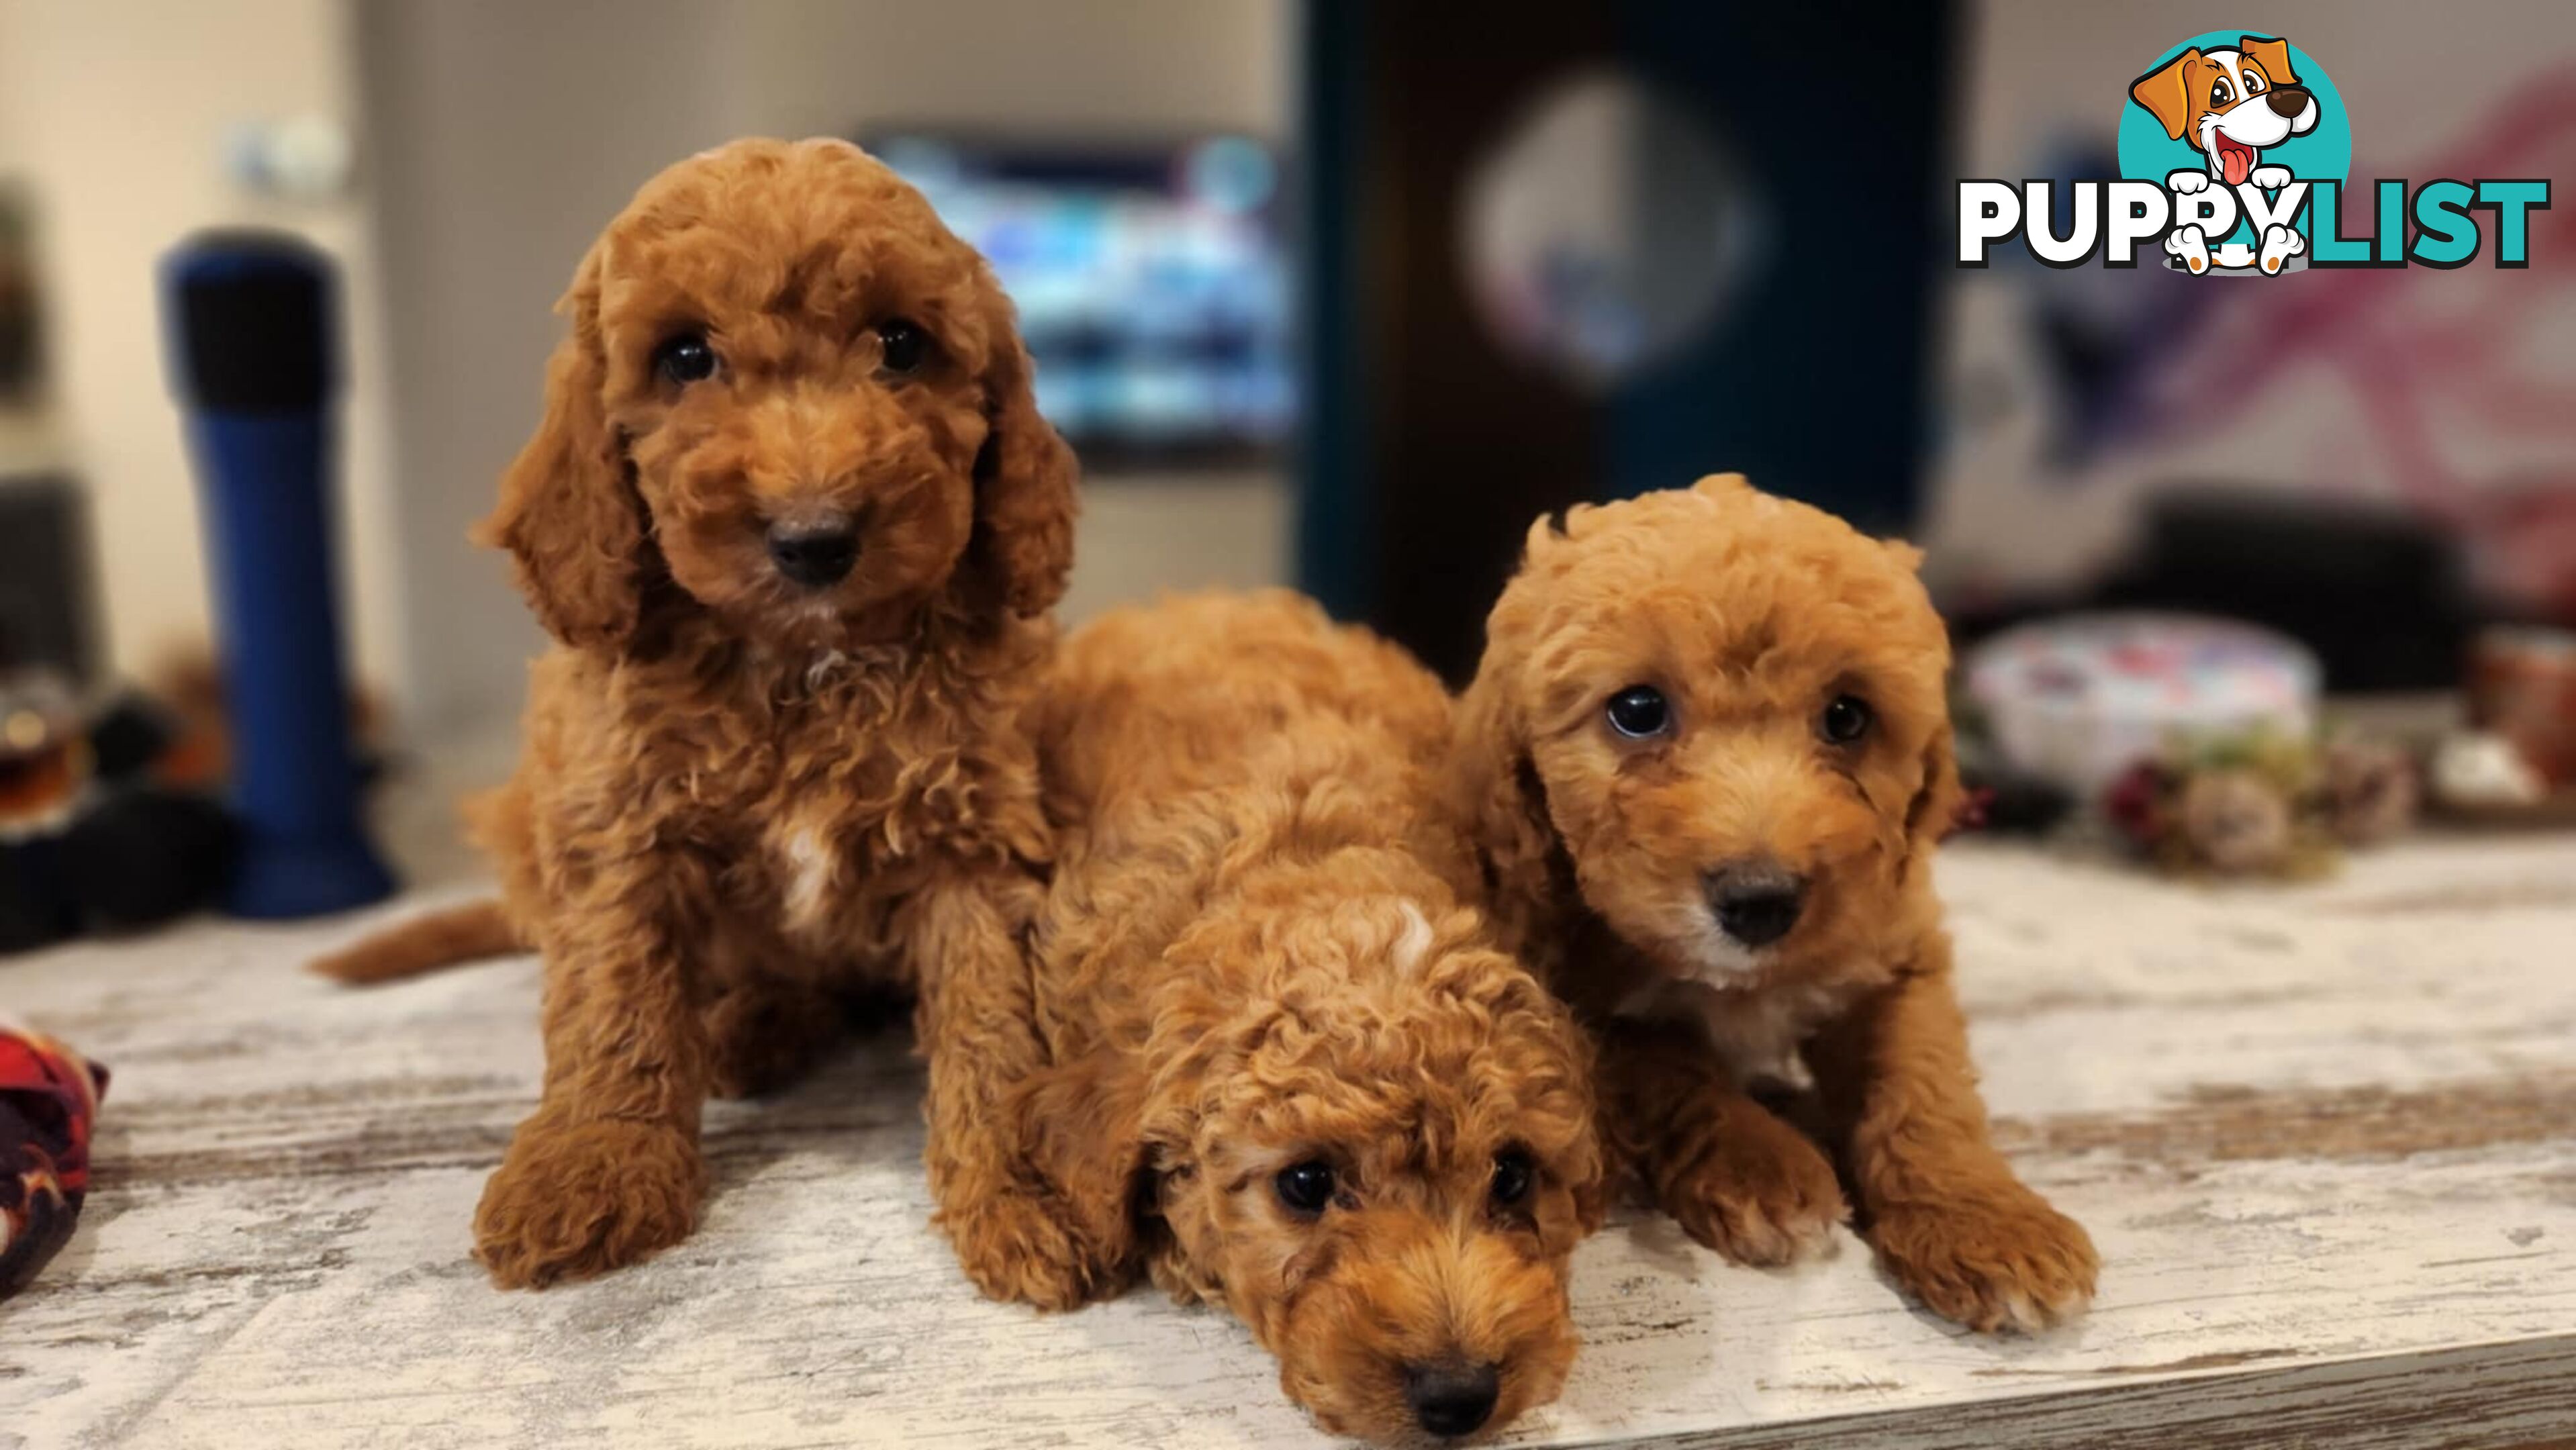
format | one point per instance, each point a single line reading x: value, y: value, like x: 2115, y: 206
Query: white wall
x: 504, y: 134
x: 500, y: 135
x: 114, y: 112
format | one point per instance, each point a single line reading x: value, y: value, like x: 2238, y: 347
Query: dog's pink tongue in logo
x: 2237, y: 157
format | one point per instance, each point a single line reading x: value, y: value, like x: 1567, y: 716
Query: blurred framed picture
x: 1152, y: 279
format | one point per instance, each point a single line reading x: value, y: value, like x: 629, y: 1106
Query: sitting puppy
x: 1290, y: 1071
x: 1704, y: 764
x: 796, y: 525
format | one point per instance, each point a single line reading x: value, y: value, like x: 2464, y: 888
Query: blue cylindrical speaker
x: 251, y: 318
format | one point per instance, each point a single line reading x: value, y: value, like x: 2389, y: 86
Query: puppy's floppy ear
x: 1085, y: 1124
x: 1516, y: 1007
x: 1498, y: 796
x: 2272, y: 55
x: 1935, y: 807
x: 1492, y: 790
x: 2169, y: 90
x: 1592, y: 1196
x: 568, y: 514
x: 1024, y: 480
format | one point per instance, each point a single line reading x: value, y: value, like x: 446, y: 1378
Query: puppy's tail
x: 425, y: 943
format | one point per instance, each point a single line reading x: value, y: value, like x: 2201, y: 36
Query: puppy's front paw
x: 2269, y: 178
x: 1754, y: 1189
x: 572, y: 1200
x: 2187, y: 182
x: 1999, y: 1258
x: 1016, y: 1246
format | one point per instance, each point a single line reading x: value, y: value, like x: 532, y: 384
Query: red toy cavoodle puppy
x: 1290, y: 1072
x: 1705, y: 763
x: 796, y: 526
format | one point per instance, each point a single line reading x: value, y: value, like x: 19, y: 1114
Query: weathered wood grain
x: 2326, y: 1138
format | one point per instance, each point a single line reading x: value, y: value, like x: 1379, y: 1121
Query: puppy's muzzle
x: 814, y: 558
x: 1451, y: 1398
x: 2287, y: 100
x: 1756, y: 902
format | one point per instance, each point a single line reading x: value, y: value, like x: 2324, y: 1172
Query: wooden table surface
x: 2325, y: 1137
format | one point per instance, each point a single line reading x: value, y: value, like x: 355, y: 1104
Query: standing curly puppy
x: 796, y: 525
x: 1290, y: 1072
x: 1705, y: 762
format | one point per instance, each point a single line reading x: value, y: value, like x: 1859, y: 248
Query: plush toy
x: 48, y: 1095
x: 2263, y: 803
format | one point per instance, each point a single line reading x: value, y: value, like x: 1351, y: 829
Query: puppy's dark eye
x: 1846, y: 719
x: 1305, y: 1187
x: 1513, y: 1175
x: 901, y: 346
x: 2220, y: 94
x: 684, y: 359
x: 1639, y: 712
x: 2253, y: 84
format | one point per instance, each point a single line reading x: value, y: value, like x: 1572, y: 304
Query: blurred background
x: 1333, y: 294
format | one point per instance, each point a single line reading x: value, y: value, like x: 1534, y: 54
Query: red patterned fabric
x: 48, y: 1096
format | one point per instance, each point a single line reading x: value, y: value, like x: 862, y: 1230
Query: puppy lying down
x: 1290, y: 1073
x: 1706, y: 762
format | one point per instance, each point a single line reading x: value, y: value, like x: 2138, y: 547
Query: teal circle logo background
x: 2324, y: 154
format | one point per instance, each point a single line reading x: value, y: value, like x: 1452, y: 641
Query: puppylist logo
x: 2234, y: 149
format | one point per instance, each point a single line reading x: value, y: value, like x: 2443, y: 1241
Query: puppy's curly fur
x: 1244, y: 965
x: 1750, y: 615
x: 742, y: 798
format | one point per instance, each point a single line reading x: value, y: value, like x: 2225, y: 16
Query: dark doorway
x: 1765, y: 308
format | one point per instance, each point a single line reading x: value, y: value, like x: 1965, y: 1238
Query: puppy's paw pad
x: 571, y: 1201
x: 2270, y: 178
x: 2187, y: 182
x: 2000, y: 1261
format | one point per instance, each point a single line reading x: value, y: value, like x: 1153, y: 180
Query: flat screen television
x: 1152, y: 282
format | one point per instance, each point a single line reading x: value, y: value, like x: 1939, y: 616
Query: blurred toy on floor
x: 2262, y: 803
x: 48, y: 1096
x: 2199, y: 743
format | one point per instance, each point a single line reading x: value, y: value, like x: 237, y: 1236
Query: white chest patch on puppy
x: 1415, y: 944
x: 811, y: 865
x: 1756, y: 1033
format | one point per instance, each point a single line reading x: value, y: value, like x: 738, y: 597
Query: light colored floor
x: 2326, y: 1138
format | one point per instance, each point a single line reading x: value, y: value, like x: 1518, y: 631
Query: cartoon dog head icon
x: 2231, y: 103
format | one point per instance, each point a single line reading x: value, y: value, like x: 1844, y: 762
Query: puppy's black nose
x: 1756, y: 903
x: 2287, y: 100
x: 813, y: 558
x: 1451, y: 1398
